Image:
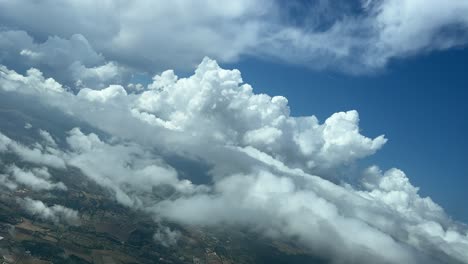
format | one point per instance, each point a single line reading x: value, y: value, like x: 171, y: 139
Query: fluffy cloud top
x: 102, y: 95
x: 214, y: 105
x: 266, y: 170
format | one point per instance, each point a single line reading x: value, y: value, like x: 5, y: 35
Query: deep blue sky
x: 420, y: 104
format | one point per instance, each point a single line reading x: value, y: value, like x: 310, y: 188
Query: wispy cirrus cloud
x: 349, y: 36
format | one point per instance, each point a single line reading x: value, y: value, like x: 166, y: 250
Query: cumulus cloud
x: 266, y: 170
x: 213, y: 105
x: 155, y: 34
x: 103, y: 95
x: 71, y: 60
x: 55, y: 213
x: 431, y: 225
x: 36, y: 154
x: 97, y: 76
x: 12, y: 81
x: 36, y: 179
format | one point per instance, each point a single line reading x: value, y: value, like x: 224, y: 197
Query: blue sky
x: 418, y: 103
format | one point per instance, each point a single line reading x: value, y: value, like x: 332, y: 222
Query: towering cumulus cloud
x: 253, y: 165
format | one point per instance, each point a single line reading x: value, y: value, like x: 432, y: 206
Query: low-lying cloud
x: 55, y: 213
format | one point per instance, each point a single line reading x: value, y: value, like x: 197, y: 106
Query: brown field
x: 28, y: 225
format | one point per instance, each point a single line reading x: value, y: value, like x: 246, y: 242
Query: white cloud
x: 36, y: 154
x: 103, y: 95
x: 212, y: 106
x: 350, y: 225
x: 36, y: 179
x: 71, y: 60
x: 394, y: 189
x: 426, y: 221
x: 126, y: 169
x: 55, y: 213
x: 261, y: 164
x: 34, y: 79
x: 156, y: 34
x: 402, y: 20
x: 364, y: 42
x: 343, y: 142
x: 96, y: 76
x: 281, y: 208
x: 31, y: 54
x: 264, y: 135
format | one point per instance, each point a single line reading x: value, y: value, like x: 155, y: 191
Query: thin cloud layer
x: 55, y: 213
x: 350, y: 36
x: 262, y: 168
